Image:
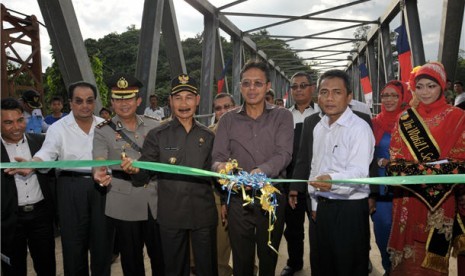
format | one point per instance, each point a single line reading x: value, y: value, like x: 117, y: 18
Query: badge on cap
x: 183, y: 79
x: 122, y: 83
x: 172, y: 160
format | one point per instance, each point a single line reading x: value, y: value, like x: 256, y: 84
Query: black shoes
x: 288, y: 271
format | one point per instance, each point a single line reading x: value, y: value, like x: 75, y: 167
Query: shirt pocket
x: 120, y: 186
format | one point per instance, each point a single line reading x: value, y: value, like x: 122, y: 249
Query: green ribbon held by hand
x: 176, y: 169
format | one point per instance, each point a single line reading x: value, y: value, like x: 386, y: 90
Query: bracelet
x: 380, y: 163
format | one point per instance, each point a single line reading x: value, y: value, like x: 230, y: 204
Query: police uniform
x: 186, y: 206
x: 133, y: 210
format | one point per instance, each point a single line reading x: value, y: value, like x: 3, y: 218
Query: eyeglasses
x: 302, y: 86
x: 80, y: 101
x: 389, y: 96
x: 225, y: 107
x: 248, y: 83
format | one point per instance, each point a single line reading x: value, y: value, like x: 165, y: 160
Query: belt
x: 325, y: 199
x: 121, y: 175
x: 31, y: 207
x: 75, y: 174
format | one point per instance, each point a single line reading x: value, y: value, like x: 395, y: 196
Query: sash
x: 126, y: 138
x: 417, y: 137
x: 432, y: 195
x: 424, y: 150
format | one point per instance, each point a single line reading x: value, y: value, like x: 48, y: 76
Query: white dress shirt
x: 343, y: 150
x: 158, y: 113
x: 361, y: 107
x: 299, y: 117
x: 28, y: 187
x: 460, y: 98
x: 65, y: 140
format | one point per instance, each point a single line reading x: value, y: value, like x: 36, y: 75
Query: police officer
x: 186, y: 206
x: 133, y: 210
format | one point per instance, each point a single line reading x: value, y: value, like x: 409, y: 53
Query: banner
x: 366, y: 85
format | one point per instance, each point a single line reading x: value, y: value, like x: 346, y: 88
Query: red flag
x: 366, y: 84
x: 223, y: 74
x: 220, y: 85
x: 404, y: 53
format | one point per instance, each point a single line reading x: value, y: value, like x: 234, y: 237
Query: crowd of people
x: 189, y: 224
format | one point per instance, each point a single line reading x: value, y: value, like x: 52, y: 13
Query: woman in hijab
x: 392, y: 104
x: 427, y: 139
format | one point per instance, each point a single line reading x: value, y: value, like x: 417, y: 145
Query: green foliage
x: 115, y: 53
x: 460, y: 72
x: 277, y: 48
x: 54, y: 85
x: 97, y: 68
x: 118, y: 52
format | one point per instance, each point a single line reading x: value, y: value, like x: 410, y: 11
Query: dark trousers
x: 84, y: 226
x: 248, y: 227
x: 131, y: 238
x: 175, y: 243
x: 342, y: 237
x: 382, y: 222
x: 294, y: 232
x: 314, y: 267
x: 34, y: 229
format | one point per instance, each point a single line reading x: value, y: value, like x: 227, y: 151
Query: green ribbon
x: 396, y: 180
x: 177, y: 169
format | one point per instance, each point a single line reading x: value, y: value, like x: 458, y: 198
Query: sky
x: 99, y: 18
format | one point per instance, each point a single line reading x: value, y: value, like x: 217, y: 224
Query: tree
x: 277, y: 48
x: 460, y: 72
x: 118, y: 53
x: 54, y: 84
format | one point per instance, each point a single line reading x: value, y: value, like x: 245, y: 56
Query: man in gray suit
x: 133, y: 210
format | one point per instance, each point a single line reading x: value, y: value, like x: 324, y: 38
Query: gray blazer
x: 124, y: 201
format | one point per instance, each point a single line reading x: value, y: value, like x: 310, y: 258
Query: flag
x: 223, y: 74
x: 366, y: 84
x: 404, y: 53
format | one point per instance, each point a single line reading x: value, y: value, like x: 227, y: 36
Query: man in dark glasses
x: 302, y: 88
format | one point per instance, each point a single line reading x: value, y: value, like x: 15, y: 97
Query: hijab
x: 385, y: 121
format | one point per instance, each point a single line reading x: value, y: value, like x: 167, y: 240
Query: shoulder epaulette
x: 151, y: 117
x: 104, y: 123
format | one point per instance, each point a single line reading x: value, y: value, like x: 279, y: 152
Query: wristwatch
x: 380, y: 163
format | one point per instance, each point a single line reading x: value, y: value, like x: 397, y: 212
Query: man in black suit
x: 27, y: 206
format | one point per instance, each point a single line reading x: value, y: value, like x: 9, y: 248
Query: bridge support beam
x: 67, y: 42
x: 451, y: 30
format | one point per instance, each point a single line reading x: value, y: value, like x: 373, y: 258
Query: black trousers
x: 175, y: 243
x: 84, y: 226
x: 248, y: 227
x: 131, y: 238
x: 34, y: 230
x: 342, y: 237
x: 294, y: 231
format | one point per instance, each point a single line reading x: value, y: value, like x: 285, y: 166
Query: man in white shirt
x: 81, y: 202
x: 458, y: 89
x: 343, y: 146
x: 154, y: 110
x: 360, y: 107
x: 302, y: 88
x: 27, y: 203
